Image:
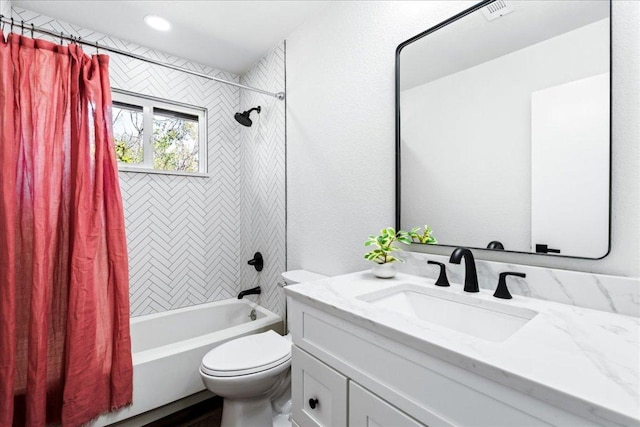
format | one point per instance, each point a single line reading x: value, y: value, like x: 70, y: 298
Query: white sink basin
x: 488, y: 320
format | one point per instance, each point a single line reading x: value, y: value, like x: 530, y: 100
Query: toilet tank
x: 291, y: 278
x: 300, y: 276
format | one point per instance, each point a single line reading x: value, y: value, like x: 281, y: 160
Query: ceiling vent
x: 497, y: 9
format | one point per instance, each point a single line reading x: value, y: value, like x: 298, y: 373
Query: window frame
x: 148, y: 103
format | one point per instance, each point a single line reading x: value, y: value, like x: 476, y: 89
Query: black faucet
x: 252, y: 291
x: 257, y: 261
x: 470, y: 275
x: 502, y: 291
x: 442, y: 278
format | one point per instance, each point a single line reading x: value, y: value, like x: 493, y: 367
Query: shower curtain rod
x: 78, y: 40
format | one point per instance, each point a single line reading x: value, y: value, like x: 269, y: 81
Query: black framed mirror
x: 503, y: 128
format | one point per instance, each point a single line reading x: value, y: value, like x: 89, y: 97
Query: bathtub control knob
x: 313, y: 403
x: 257, y: 261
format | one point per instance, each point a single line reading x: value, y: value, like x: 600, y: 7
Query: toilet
x: 252, y: 373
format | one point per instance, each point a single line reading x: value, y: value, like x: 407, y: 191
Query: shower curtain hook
x: 32, y: 29
x: 12, y: 24
x: 22, y: 28
x: 1, y: 20
x: 97, y: 49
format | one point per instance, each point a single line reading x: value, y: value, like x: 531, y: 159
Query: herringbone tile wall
x: 185, y: 247
x: 263, y: 180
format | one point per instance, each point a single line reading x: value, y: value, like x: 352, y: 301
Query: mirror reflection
x: 504, y: 128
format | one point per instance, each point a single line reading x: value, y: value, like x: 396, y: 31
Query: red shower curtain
x: 65, y: 353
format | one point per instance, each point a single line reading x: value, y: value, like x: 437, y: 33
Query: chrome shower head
x: 243, y: 118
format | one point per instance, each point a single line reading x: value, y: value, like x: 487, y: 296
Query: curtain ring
x: 22, y: 28
x: 61, y: 38
x: 32, y: 29
x: 12, y: 24
x: 2, y: 20
x: 97, y: 49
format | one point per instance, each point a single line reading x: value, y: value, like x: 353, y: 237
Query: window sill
x: 161, y: 172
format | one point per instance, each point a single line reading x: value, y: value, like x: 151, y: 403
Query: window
x: 153, y: 135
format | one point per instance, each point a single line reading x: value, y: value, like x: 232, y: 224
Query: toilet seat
x: 247, y: 355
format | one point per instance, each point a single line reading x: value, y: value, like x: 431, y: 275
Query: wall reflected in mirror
x: 504, y: 128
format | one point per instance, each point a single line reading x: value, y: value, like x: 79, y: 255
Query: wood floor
x: 207, y: 413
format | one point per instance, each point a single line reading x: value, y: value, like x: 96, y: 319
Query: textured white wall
x: 340, y: 134
x: 340, y: 127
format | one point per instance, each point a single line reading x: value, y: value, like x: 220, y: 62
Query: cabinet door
x: 368, y: 410
x: 318, y: 393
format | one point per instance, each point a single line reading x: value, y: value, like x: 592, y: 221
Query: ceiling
x: 227, y: 35
x: 473, y: 40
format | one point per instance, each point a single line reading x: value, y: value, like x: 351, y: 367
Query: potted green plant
x: 382, y: 254
x: 424, y: 237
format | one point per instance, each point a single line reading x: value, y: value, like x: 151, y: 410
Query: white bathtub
x: 168, y: 348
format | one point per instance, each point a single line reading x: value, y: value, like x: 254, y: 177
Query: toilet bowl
x: 248, y: 372
x: 253, y: 376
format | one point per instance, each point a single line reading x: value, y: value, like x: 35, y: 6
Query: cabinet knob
x: 313, y: 403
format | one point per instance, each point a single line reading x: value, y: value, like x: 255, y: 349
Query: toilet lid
x: 247, y: 355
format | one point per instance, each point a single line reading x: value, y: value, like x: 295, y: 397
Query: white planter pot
x: 384, y: 271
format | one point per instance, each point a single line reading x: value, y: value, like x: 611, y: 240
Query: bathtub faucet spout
x: 252, y: 291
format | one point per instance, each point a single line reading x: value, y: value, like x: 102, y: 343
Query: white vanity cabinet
x: 368, y: 410
x: 319, y: 392
x: 320, y: 398
x: 364, y: 378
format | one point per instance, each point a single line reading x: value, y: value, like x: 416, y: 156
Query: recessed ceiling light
x: 157, y: 22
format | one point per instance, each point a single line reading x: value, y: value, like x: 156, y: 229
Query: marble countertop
x: 582, y: 360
